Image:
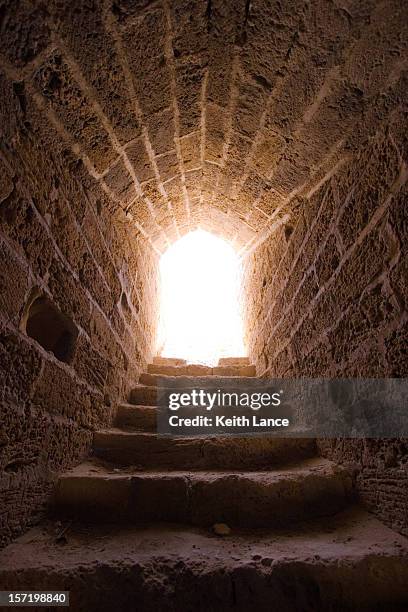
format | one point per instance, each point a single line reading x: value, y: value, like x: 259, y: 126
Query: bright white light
x: 200, y: 318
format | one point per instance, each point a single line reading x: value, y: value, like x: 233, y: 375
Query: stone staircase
x: 138, y: 518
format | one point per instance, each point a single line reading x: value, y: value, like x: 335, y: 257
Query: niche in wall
x: 54, y: 331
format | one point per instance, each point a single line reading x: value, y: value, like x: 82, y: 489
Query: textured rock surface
x: 233, y: 361
x: 219, y: 376
x: 311, y: 488
x: 331, y: 301
x: 319, y: 566
x: 139, y: 417
x: 195, y: 370
x: 214, y: 113
x: 61, y: 238
x: 152, y: 450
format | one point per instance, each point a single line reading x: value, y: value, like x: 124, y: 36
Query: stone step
x: 201, y: 370
x: 233, y: 361
x: 143, y: 395
x: 346, y: 562
x: 146, y: 393
x: 180, y: 370
x: 172, y: 361
x: 153, y: 451
x: 152, y: 380
x: 137, y: 417
x: 248, y: 370
x: 316, y: 487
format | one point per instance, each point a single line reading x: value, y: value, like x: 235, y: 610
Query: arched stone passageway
x: 126, y: 124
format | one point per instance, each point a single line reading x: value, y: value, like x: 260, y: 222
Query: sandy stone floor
x: 167, y: 567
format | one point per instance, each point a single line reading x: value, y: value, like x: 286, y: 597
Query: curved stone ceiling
x: 219, y: 114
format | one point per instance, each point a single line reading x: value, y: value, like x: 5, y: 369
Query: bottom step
x: 349, y: 562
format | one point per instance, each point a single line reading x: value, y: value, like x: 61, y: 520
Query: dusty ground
x: 170, y: 568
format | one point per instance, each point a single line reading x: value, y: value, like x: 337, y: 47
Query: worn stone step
x: 152, y: 380
x: 180, y: 370
x: 172, y: 361
x: 201, y: 370
x: 143, y: 395
x: 138, y: 417
x: 349, y: 562
x: 233, y: 361
x: 234, y: 370
x: 315, y: 487
x: 154, y: 451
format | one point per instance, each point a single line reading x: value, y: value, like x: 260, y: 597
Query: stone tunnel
x: 280, y: 127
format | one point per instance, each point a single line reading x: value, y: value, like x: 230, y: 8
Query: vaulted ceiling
x: 223, y: 114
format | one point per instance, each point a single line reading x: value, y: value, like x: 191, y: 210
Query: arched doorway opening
x: 200, y: 315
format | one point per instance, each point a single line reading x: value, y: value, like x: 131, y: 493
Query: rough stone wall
x: 192, y: 112
x: 333, y: 298
x: 61, y: 238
